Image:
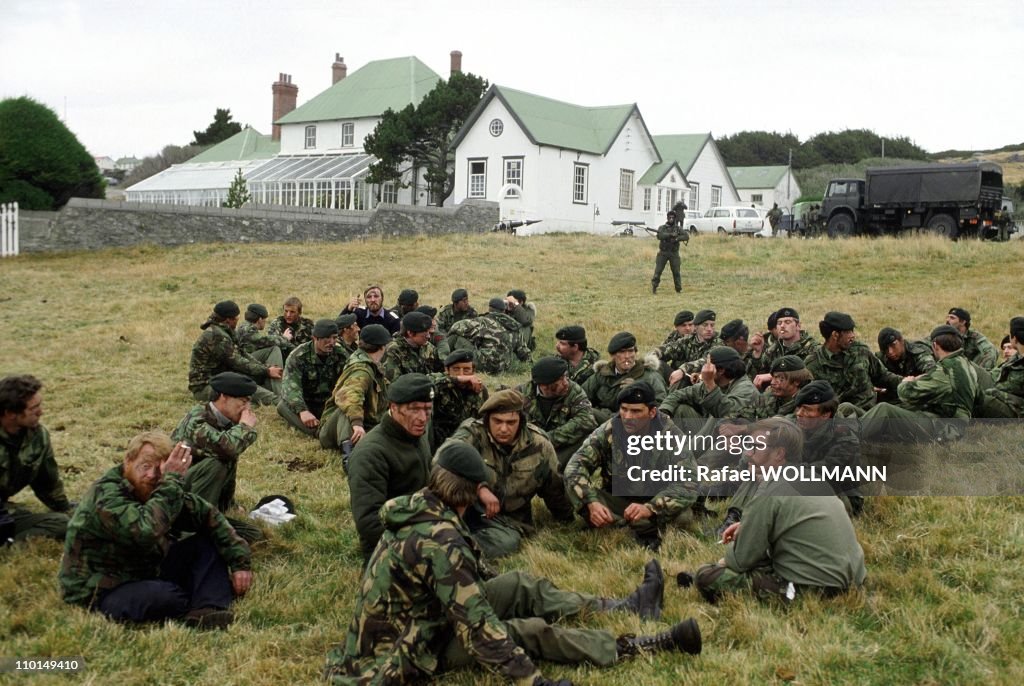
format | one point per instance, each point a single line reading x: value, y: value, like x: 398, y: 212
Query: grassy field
x: 110, y: 334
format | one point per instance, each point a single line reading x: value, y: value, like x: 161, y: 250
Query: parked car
x: 727, y: 220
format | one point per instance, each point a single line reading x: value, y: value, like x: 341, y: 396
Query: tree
x: 421, y: 135
x: 238, y: 192
x: 42, y: 164
x: 220, y: 129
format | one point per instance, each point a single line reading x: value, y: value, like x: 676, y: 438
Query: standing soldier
x: 459, y: 309
x: 291, y: 325
x: 774, y: 215
x: 458, y: 395
x: 669, y: 236
x: 310, y: 374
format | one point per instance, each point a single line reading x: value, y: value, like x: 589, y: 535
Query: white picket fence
x: 8, y: 229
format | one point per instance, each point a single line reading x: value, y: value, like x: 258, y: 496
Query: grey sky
x: 139, y: 75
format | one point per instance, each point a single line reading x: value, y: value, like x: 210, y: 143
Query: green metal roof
x: 247, y: 144
x: 369, y: 91
x: 683, y: 148
x: 757, y: 177
x: 556, y: 123
x: 659, y: 171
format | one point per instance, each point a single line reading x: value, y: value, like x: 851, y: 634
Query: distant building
x: 126, y: 164
x: 105, y: 164
x: 765, y: 186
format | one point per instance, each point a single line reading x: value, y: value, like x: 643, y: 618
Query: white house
x: 708, y: 180
x: 765, y: 186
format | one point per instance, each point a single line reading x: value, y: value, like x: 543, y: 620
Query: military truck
x: 950, y: 200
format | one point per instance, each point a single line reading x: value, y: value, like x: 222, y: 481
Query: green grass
x: 110, y: 333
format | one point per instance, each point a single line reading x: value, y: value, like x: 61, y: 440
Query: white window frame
x: 694, y: 196
x: 348, y: 134
x: 647, y: 200
x: 476, y: 181
x: 660, y: 192
x: 512, y: 176
x: 389, y: 192
x: 625, y: 189
x: 757, y: 197
x: 580, y: 183
x: 716, y: 196
x: 310, y: 138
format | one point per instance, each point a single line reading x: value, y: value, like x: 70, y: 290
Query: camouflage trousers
x: 672, y: 259
x: 272, y: 357
x: 527, y: 605
x: 214, y: 482
x: 28, y: 524
x: 292, y: 419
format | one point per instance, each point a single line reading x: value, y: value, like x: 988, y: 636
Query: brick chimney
x: 456, y: 61
x: 338, y: 70
x: 285, y: 96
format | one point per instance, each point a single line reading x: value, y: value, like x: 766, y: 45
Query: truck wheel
x: 840, y: 226
x: 721, y: 231
x: 693, y: 230
x: 943, y: 225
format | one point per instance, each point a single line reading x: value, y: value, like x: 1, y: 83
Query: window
x: 659, y: 199
x: 579, y: 183
x: 757, y: 197
x: 496, y: 127
x: 647, y: 200
x: 310, y: 137
x: 477, y: 178
x: 694, y: 196
x: 348, y: 134
x: 389, y: 193
x: 716, y: 196
x: 513, y: 174
x: 626, y: 189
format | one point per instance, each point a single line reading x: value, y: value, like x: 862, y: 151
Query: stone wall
x: 93, y: 224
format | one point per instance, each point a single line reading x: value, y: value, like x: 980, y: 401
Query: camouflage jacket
x: 735, y: 401
x: 566, y: 421
x: 689, y: 349
x: 767, y: 405
x: 917, y: 360
x: 606, y: 454
x: 215, y: 351
x: 604, y: 385
x: 251, y: 339
x: 853, y: 373
x: 452, y: 406
x: 402, y: 358
x: 422, y: 588
x: 980, y: 350
x: 27, y: 460
x: 310, y: 378
x: 585, y: 369
x: 302, y: 331
x: 386, y: 463
x: 114, y: 538
x: 950, y: 389
x: 524, y: 316
x: 518, y: 472
x: 448, y: 316
x: 492, y: 343
x: 213, y: 435
x: 804, y: 346
x: 1009, y: 385
x: 361, y: 392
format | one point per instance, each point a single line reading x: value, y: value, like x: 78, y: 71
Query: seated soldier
x: 291, y: 325
x: 410, y: 351
x: 408, y: 301
x: 218, y: 432
x: 348, y: 334
x: 459, y: 309
x: 646, y: 507
x: 794, y: 536
x: 521, y: 463
x: 906, y: 358
x: 558, y: 406
x: 26, y: 459
x: 493, y: 337
x: 828, y: 441
x: 524, y: 314
x: 735, y: 335
x: 724, y: 391
x: 427, y: 602
x: 571, y: 346
x: 270, y: 349
x: 437, y: 338
x: 688, y: 353
x: 790, y: 339
x: 977, y: 348
x: 125, y: 557
x: 789, y: 375
x: 458, y: 395
x: 310, y: 374
x: 1009, y: 351
x: 1006, y: 398
x: 612, y: 376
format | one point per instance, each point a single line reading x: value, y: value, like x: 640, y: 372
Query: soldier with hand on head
x: 906, y: 358
x: 408, y: 301
x: 310, y: 375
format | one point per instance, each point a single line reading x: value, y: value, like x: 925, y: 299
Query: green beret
x: 408, y: 297
x: 518, y: 294
x: 773, y: 320
x: 416, y: 322
x: 427, y: 310
x: 375, y: 334
x: 325, y: 328
x: 497, y: 304
x: 226, y: 309
x: 411, y: 388
x: 621, y: 341
x: 549, y: 370
x: 234, y: 384
x: 887, y: 337
x: 345, y: 320
x: 815, y: 393
x: 840, y: 321
x: 462, y: 459
x: 721, y: 354
x: 787, y: 363
x: 571, y: 334
x: 459, y: 294
x: 943, y: 330
x: 258, y: 310
x: 961, y: 314
x: 507, y: 400
x: 787, y: 312
x: 458, y: 356
x: 638, y: 392
x: 704, y: 316
x: 735, y: 329
x: 682, y: 317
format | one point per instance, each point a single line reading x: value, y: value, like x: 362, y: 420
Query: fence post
x: 9, y: 229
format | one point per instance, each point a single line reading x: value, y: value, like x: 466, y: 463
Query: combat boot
x: 684, y: 637
x: 648, y: 597
x: 732, y: 515
x: 654, y: 288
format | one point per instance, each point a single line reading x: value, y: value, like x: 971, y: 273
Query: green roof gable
x: 369, y: 91
x: 757, y: 177
x: 247, y: 144
x: 682, y: 148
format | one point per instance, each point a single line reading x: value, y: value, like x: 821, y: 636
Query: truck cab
x: 841, y: 206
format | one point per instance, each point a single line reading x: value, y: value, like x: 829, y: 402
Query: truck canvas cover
x: 933, y: 183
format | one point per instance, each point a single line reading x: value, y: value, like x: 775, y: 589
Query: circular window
x: 496, y: 127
